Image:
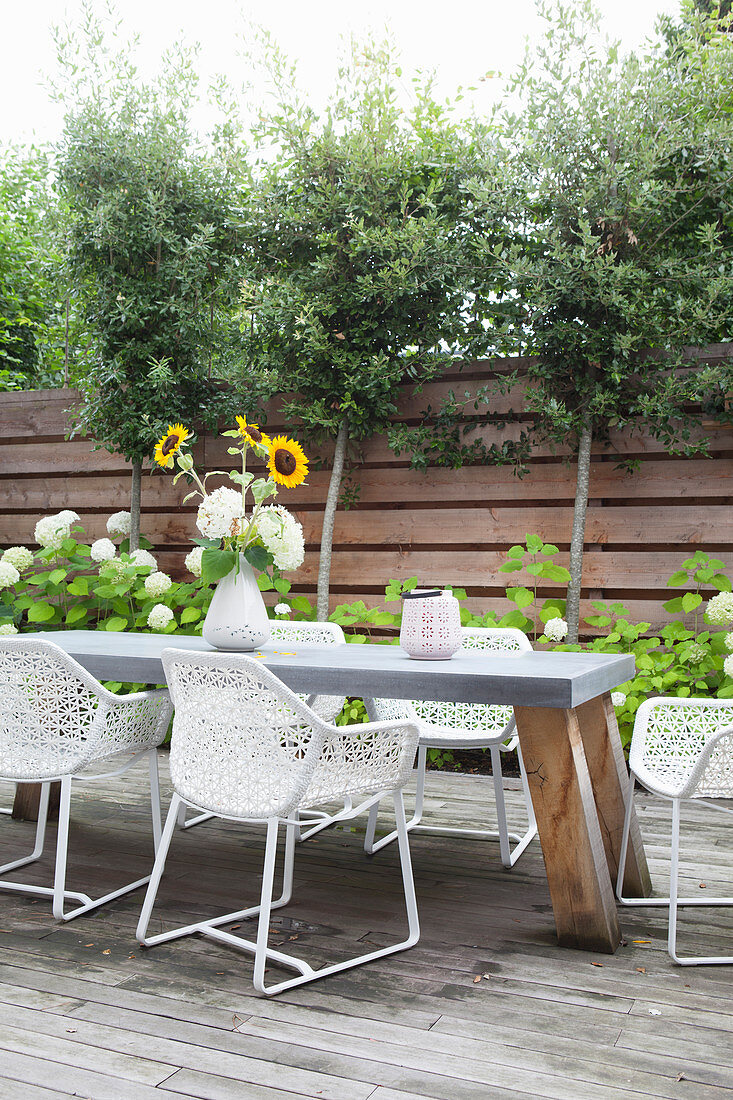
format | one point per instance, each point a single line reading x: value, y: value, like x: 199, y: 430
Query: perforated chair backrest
x: 51, y: 714
x: 299, y: 633
x: 243, y: 744
x: 476, y: 718
x: 670, y: 737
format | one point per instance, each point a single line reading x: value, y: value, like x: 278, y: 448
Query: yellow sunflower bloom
x: 166, y: 447
x: 252, y: 433
x: 288, y: 464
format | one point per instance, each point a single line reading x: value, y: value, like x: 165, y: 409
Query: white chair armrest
x: 671, y: 736
x: 136, y: 721
x: 371, y: 756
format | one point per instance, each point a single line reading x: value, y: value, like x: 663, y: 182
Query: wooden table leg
x: 575, y: 860
x: 27, y: 797
x: 610, y: 778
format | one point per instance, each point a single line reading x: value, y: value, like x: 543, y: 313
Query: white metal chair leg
x: 226, y: 918
x: 155, y: 797
x: 674, y: 902
x: 39, y: 842
x: 370, y: 845
x: 509, y: 855
x: 259, y: 948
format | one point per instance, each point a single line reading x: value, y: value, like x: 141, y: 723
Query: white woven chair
x: 681, y: 749
x: 326, y: 707
x: 464, y: 726
x: 56, y: 721
x: 246, y: 748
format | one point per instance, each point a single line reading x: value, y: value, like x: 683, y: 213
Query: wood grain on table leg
x: 27, y: 798
x: 610, y: 778
x: 575, y: 859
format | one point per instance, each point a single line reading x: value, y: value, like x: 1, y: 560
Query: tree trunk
x: 582, y: 485
x: 329, y: 518
x: 137, y: 474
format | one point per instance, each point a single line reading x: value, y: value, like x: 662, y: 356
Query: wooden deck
x: 486, y: 1006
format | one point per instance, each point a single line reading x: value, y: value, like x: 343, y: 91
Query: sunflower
x: 288, y: 464
x: 166, y: 447
x: 252, y: 434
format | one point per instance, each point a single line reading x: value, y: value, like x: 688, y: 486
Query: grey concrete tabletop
x: 559, y: 680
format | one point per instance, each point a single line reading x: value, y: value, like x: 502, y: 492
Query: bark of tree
x: 137, y: 474
x: 329, y: 518
x: 582, y: 486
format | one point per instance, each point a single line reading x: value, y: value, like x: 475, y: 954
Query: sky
x: 461, y: 41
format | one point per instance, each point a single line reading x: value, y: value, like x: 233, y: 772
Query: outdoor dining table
x: 565, y: 720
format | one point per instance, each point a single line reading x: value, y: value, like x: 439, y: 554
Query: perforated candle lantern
x: 431, y: 624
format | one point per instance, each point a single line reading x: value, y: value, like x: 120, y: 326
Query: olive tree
x: 151, y: 237
x: 356, y: 258
x: 618, y: 182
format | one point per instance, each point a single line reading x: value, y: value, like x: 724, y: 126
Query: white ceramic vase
x: 237, y: 617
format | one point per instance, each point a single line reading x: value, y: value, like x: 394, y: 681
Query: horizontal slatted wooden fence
x: 445, y: 526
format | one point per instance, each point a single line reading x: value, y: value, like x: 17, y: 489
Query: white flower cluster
x: 282, y: 609
x: 696, y: 653
x: 728, y: 665
x: 282, y: 535
x: 618, y: 698
x: 720, y: 609
x: 144, y: 559
x: 118, y: 525
x: 112, y: 570
x: 556, y: 629
x: 157, y: 584
x: 193, y: 560
x: 102, y: 550
x: 159, y: 617
x: 220, y: 514
x: 728, y: 642
x: 8, y: 628
x: 51, y: 531
x: 9, y: 575
x: 19, y: 556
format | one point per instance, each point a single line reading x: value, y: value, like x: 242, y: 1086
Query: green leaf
x: 690, y: 601
x: 41, y: 612
x: 215, y: 564
x: 56, y: 576
x: 190, y: 614
x: 258, y: 557
x: 76, y: 614
x: 515, y: 552
x: 510, y: 566
x: 522, y: 597
x: 282, y: 585
x: 721, y: 582
x: 550, y: 550
x: 673, y: 606
x: 116, y: 623
x: 678, y: 578
x: 78, y: 587
x: 556, y: 573
x: 535, y: 568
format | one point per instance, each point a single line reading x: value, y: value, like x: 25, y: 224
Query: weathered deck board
x: 84, y: 1010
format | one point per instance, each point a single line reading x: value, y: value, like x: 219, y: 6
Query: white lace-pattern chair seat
x: 246, y: 748
x: 681, y: 749
x: 56, y: 722
x: 449, y: 725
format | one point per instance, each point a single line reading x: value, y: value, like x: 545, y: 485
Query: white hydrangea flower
x: 159, y: 617
x: 282, y: 609
x: 696, y: 654
x: 220, y: 514
x: 68, y: 517
x: 8, y: 628
x: 618, y: 698
x: 282, y: 535
x: 51, y: 531
x: 9, y: 575
x: 193, y: 560
x: 727, y: 641
x: 720, y: 609
x: 157, y: 584
x: 112, y: 570
x: 19, y: 556
x: 143, y: 558
x: 728, y: 665
x: 556, y: 629
x: 102, y: 550
x: 118, y: 525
